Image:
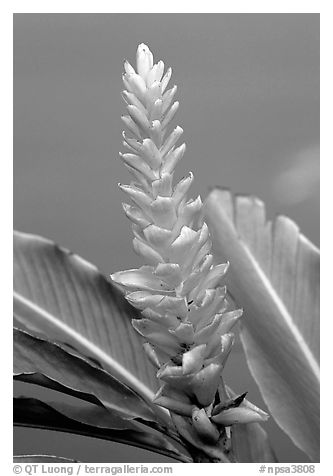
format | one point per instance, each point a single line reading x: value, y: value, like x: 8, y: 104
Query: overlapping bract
x: 185, y: 312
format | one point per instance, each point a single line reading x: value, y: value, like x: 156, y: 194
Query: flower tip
x: 113, y: 277
x: 143, y: 46
x: 144, y: 50
x: 128, y: 67
x: 240, y: 414
x: 144, y: 60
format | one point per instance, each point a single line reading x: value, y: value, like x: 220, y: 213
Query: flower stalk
x: 186, y: 319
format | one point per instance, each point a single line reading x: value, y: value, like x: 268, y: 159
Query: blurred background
x: 248, y: 86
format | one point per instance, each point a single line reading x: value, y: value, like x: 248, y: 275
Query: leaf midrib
x: 284, y: 311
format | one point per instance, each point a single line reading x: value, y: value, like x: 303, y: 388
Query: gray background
x: 249, y: 92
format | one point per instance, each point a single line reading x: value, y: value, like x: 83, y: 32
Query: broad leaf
x: 93, y: 415
x: 34, y: 413
x: 43, y: 381
x: 42, y: 459
x: 274, y: 276
x: 61, y: 296
x: 250, y: 444
x: 33, y: 355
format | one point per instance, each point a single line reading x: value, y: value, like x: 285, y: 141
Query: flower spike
x: 186, y: 321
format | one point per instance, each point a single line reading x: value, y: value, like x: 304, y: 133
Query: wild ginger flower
x: 186, y: 320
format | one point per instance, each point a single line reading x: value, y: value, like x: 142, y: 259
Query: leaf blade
x: 72, y: 297
x: 280, y: 351
x: 37, y: 356
x: 59, y: 295
x: 33, y: 413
